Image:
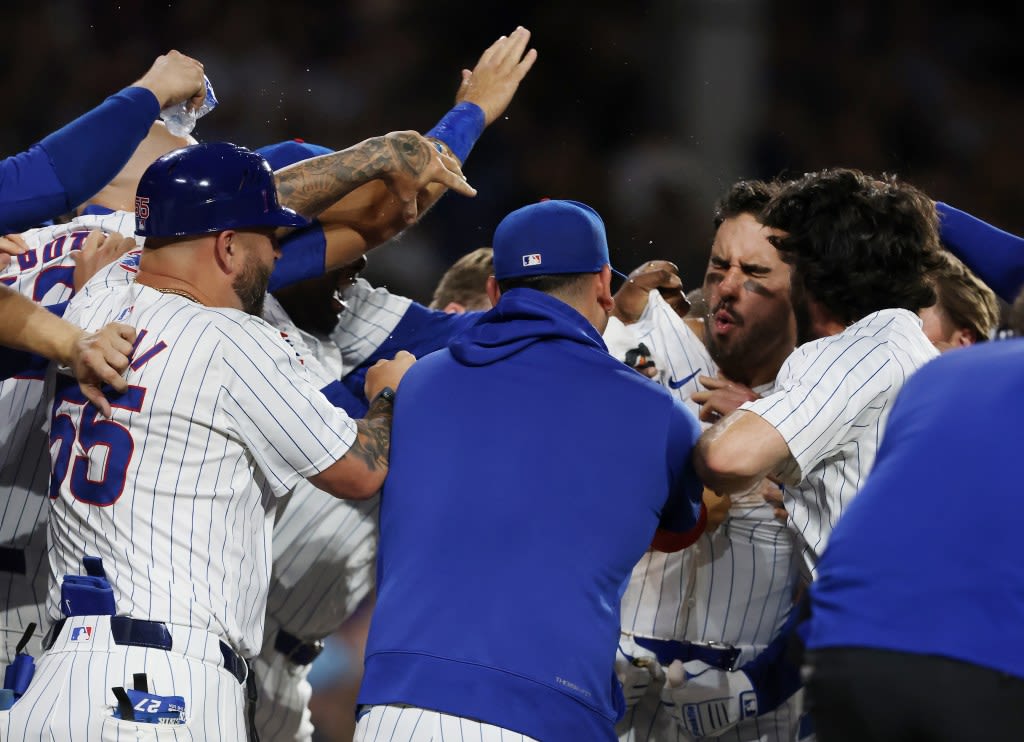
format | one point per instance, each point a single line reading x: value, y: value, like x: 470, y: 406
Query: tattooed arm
x: 360, y: 473
x: 368, y: 193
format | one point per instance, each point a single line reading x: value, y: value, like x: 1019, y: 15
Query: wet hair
x: 965, y: 300
x: 857, y: 243
x: 466, y: 281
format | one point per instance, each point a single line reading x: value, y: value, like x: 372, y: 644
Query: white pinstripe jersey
x: 734, y: 585
x: 43, y: 274
x: 177, y: 492
x: 324, y: 547
x: 832, y: 402
x: 369, y: 318
x: 323, y: 564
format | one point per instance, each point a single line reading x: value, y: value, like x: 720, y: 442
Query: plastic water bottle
x: 180, y: 120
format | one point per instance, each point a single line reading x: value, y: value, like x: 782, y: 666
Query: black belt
x: 134, y: 632
x: 297, y: 651
x: 12, y: 560
x: 722, y: 656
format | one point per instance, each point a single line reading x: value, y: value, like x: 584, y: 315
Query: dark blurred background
x: 645, y: 110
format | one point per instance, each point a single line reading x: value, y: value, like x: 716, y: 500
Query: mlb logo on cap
x: 81, y: 633
x: 571, y: 235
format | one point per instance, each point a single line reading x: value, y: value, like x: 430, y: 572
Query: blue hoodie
x: 529, y: 471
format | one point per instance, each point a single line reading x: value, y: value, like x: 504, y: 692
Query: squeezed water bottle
x: 180, y: 120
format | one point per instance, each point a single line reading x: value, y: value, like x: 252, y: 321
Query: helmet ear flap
x: 206, y: 188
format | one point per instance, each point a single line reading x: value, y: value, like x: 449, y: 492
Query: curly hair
x: 744, y: 197
x: 857, y: 243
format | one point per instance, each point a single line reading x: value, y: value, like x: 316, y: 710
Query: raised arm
x: 369, y: 196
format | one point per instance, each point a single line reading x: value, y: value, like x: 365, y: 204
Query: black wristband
x: 387, y: 394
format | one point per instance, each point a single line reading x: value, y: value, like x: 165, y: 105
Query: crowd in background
x: 612, y: 118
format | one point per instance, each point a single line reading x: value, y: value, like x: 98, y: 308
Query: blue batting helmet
x: 207, y: 188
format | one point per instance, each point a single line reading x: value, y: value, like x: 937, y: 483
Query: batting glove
x: 638, y: 671
x: 706, y: 701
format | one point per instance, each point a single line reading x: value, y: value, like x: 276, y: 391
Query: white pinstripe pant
x: 410, y: 724
x: 70, y: 696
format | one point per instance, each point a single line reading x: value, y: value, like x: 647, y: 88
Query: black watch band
x: 387, y: 394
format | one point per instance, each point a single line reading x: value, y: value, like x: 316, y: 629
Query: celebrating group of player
x: 185, y: 521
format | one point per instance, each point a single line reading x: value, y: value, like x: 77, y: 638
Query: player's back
x: 171, y: 492
x: 44, y: 274
x: 523, y: 519
x: 833, y: 400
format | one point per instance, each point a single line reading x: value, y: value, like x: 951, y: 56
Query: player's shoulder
x: 363, y: 299
x: 246, y: 337
x: 873, y: 338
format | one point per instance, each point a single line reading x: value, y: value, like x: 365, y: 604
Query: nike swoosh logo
x: 676, y: 384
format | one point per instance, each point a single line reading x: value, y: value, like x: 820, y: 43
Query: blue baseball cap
x: 548, y: 238
x: 291, y: 151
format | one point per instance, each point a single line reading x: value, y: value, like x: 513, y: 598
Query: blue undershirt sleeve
x: 75, y: 162
x: 303, y: 255
x: 996, y: 256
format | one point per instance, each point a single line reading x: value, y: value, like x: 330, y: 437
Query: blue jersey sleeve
x: 339, y: 395
x: 682, y: 510
x: 75, y: 162
x: 303, y: 253
x: 420, y: 331
x: 996, y: 256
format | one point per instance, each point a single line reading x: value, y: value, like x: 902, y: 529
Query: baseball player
x: 535, y: 674
x: 726, y: 597
x: 324, y: 549
x: 219, y: 419
x: 966, y: 312
x: 46, y: 274
x: 857, y: 289
x: 335, y: 238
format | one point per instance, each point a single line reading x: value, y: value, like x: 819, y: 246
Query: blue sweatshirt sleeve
x: 75, y: 162
x: 996, y: 256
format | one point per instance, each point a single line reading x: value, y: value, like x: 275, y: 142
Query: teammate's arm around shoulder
x: 360, y: 473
